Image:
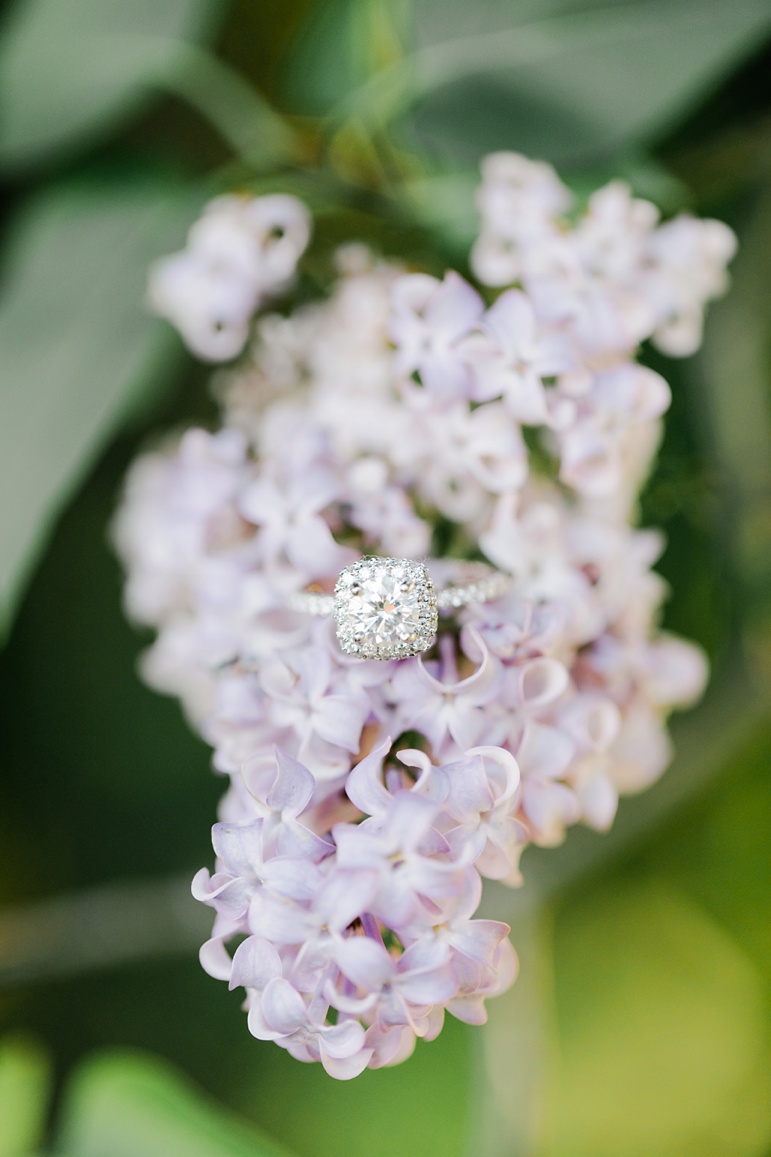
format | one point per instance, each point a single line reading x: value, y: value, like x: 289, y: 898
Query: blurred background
x: 640, y: 1023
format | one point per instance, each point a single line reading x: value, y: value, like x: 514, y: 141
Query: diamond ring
x: 387, y: 608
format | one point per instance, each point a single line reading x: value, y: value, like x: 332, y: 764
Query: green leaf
x: 718, y: 851
x: 70, y: 71
x: 78, y: 348
x: 416, y: 1109
x: 445, y: 202
x: 515, y: 1049
x: 661, y: 1031
x: 567, y: 82
x: 244, y: 119
x: 129, y: 1105
x: 341, y: 44
x: 24, y: 1088
x: 732, y: 396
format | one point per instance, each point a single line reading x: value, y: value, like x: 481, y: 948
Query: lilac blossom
x: 238, y: 253
x: 366, y: 801
x: 511, y: 359
x: 430, y: 319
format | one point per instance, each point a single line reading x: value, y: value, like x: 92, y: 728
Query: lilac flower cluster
x: 241, y: 252
x: 374, y: 921
x: 368, y: 799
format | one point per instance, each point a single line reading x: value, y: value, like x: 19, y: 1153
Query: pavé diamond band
x: 387, y: 608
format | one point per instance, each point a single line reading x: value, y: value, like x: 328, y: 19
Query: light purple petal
x: 392, y: 1010
x: 426, y: 988
x: 345, y: 1068
x: 527, y: 399
x: 312, y: 548
x: 479, y: 939
x: 544, y: 751
x: 465, y: 722
x: 282, y: 1007
x: 313, y: 670
x: 298, y: 841
x: 409, y: 819
x: 343, y: 896
x: 366, y: 962
x: 292, y: 788
x: 470, y: 974
x: 469, y: 1009
x: 454, y: 308
x: 466, y: 842
x: 500, y: 769
x: 339, y: 719
x: 343, y: 1039
x: 202, y: 886
x: 255, y: 964
x: 445, y: 373
x: 364, y: 786
x: 257, y: 1024
x: 470, y: 896
x: 409, y: 294
x: 227, y: 895
x: 469, y: 789
x: 239, y: 847
x: 391, y: 1045
x: 354, y: 1006
x: 498, y: 859
x: 294, y: 878
x: 426, y: 955
x: 280, y: 920
x: 214, y: 959
x: 511, y: 321
x: 550, y: 807
x: 260, y: 502
x: 541, y: 681
x: 359, y: 847
x: 435, y: 1022
x: 432, y: 781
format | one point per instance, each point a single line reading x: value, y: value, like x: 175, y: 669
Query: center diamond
x: 385, y: 608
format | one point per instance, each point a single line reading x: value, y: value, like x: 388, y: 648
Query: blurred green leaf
x: 312, y: 86
x: 564, y: 81
x: 445, y: 202
x: 661, y: 1026
x: 719, y: 853
x: 515, y: 1050
x: 257, y: 134
x: 97, y: 927
x: 78, y: 348
x: 733, y: 404
x: 341, y: 44
x: 129, y: 1105
x: 24, y: 1089
x: 68, y: 71
x: 622, y: 937
x: 418, y: 1109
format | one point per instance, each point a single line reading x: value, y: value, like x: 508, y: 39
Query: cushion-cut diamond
x: 385, y: 608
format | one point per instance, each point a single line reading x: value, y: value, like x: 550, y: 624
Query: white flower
x: 520, y: 202
x: 238, y: 253
x: 688, y: 261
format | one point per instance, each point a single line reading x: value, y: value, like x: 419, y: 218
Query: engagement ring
x: 387, y: 608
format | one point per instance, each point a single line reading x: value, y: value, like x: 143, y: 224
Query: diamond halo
x: 385, y: 608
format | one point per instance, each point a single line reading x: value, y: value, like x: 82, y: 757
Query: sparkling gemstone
x: 385, y: 608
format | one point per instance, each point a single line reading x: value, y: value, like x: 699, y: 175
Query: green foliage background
x: 640, y: 1021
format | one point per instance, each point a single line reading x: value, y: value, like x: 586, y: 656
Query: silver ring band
x: 484, y: 584
x: 387, y: 608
